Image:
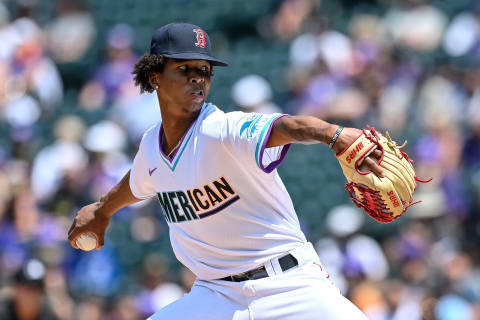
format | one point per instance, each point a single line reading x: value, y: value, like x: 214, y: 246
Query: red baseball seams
x: 201, y: 38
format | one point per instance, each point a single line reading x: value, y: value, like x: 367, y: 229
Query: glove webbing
x: 371, y: 202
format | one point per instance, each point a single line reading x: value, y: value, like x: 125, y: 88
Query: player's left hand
x: 346, y: 138
x: 384, y: 198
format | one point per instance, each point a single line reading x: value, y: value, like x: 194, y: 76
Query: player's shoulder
x: 212, y: 121
x: 215, y: 117
x: 212, y: 113
x: 151, y: 134
x: 220, y: 119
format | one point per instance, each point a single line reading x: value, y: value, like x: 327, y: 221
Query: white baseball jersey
x: 226, y: 206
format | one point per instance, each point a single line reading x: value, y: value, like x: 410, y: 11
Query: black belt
x: 285, y: 262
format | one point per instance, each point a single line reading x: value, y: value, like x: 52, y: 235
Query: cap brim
x: 196, y: 56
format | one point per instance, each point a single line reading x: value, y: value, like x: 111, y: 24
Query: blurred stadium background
x: 71, y: 120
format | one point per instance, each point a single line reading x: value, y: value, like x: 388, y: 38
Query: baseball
x: 86, y: 242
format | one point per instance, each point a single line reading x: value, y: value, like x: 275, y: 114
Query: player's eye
x: 206, y: 72
x: 183, y: 68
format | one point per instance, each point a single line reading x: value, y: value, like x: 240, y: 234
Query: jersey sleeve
x: 140, y: 181
x: 248, y: 133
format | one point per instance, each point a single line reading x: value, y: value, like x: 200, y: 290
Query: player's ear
x: 153, y: 80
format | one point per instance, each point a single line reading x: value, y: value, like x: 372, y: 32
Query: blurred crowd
x: 71, y: 120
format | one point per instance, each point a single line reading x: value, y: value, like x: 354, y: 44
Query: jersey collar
x: 173, y: 161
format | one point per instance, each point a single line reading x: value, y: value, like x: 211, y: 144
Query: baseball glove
x: 384, y: 199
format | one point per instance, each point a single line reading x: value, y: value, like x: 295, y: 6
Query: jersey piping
x: 173, y: 161
x: 262, y: 143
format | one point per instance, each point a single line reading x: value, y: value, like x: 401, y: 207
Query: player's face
x: 184, y: 84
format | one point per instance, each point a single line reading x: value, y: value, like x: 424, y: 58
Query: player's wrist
x: 346, y: 138
x: 102, y: 208
x: 334, y: 137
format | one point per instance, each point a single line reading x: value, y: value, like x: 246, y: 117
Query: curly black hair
x: 144, y: 67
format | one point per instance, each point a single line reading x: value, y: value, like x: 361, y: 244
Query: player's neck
x: 174, y: 128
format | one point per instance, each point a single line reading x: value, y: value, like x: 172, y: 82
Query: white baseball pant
x: 300, y: 293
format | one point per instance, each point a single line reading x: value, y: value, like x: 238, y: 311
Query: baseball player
x: 231, y: 220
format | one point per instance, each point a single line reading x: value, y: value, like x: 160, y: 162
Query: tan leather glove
x: 384, y: 199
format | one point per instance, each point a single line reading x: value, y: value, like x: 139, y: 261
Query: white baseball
x: 86, y: 242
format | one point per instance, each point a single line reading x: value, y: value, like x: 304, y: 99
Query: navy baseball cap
x: 183, y: 41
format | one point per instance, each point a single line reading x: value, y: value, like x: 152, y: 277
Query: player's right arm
x: 135, y: 186
x: 94, y: 218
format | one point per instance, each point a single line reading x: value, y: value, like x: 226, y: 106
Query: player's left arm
x: 309, y: 130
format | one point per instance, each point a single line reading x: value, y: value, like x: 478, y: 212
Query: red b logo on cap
x: 201, y: 38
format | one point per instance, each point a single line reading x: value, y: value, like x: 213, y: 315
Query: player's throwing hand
x: 95, y: 217
x: 89, y: 220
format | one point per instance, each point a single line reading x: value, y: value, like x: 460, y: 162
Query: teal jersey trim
x: 174, y: 165
x: 262, y: 137
x: 190, y: 131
